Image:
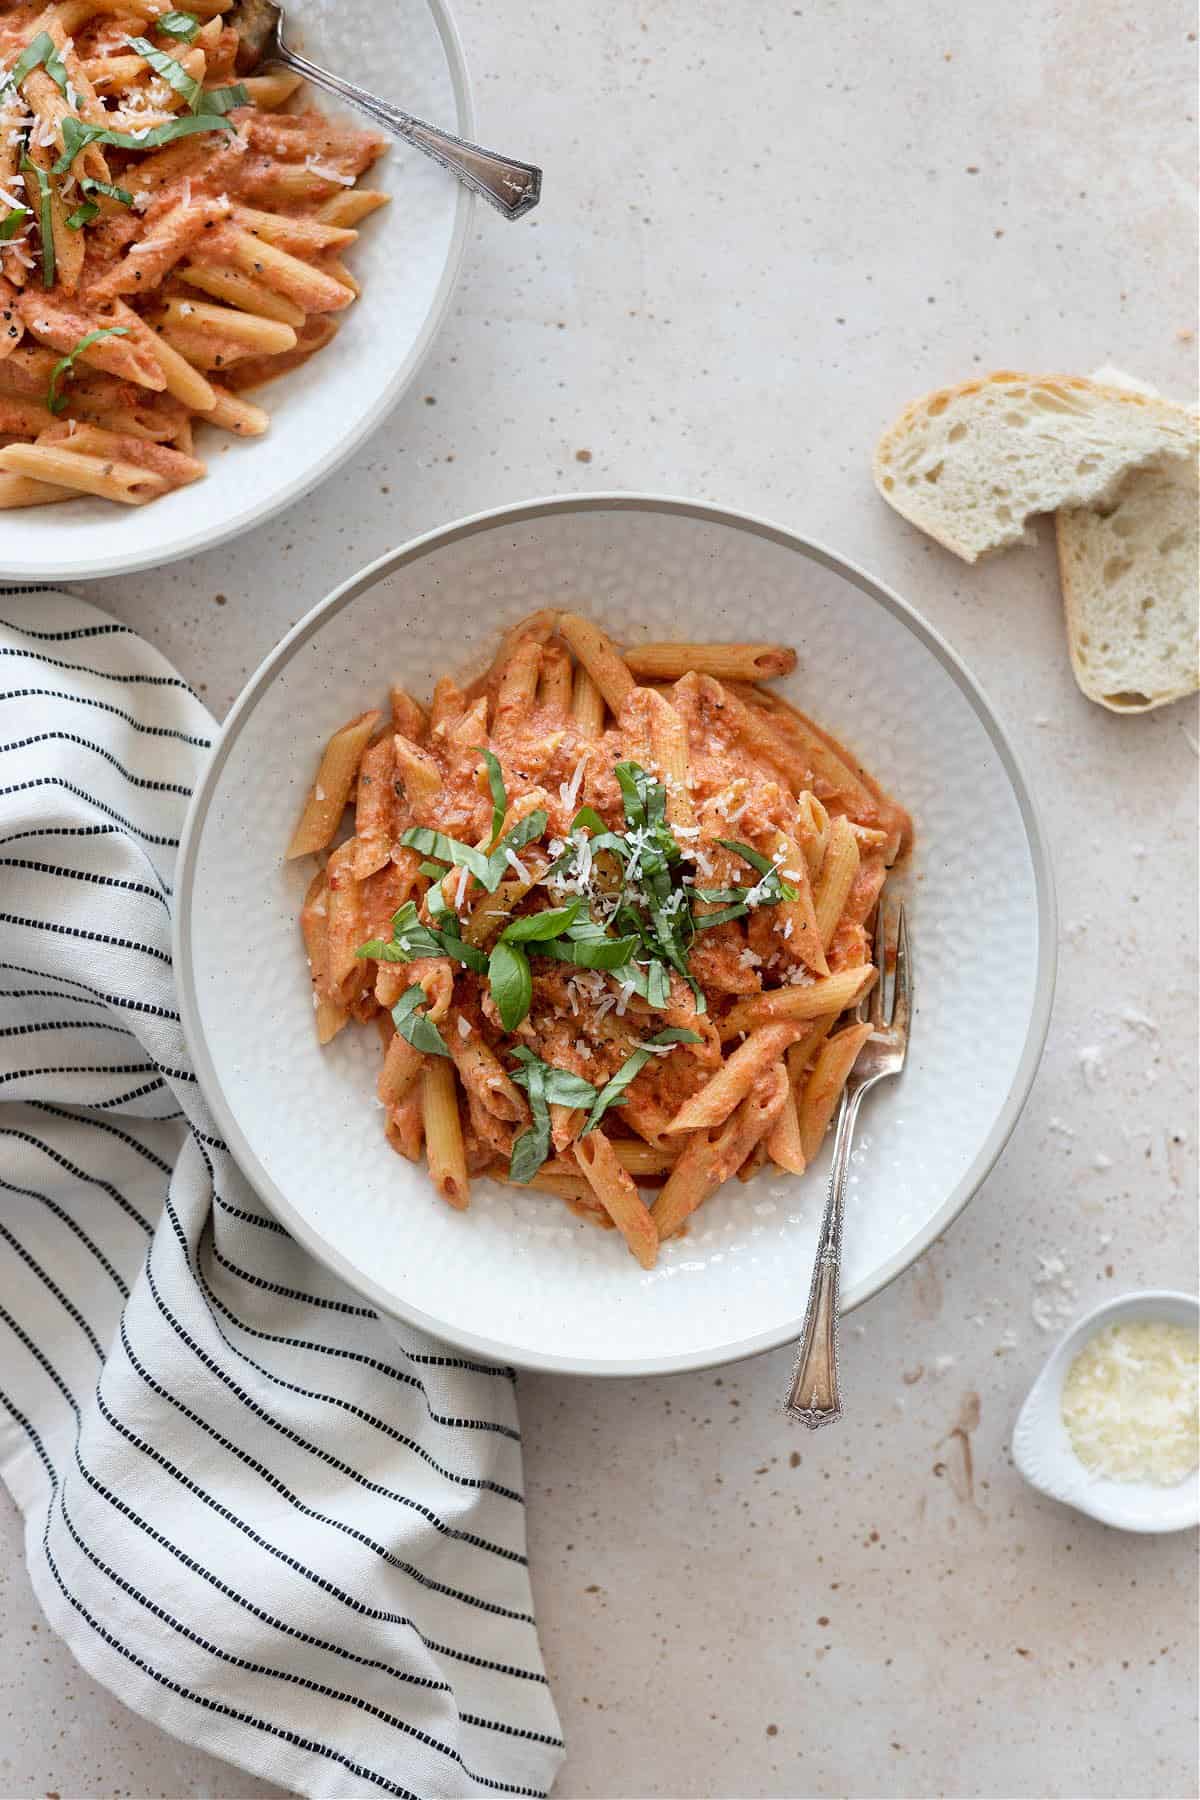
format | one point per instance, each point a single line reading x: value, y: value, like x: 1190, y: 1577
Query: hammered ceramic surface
x: 407, y: 258
x: 1041, y: 1444
x: 519, y: 1275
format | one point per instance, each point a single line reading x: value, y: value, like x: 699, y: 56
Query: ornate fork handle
x: 813, y: 1398
x: 513, y: 188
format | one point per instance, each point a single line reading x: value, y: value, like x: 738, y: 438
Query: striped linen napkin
x: 286, y: 1530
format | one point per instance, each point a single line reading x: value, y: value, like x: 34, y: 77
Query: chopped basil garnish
x: 169, y: 67
x: 599, y: 952
x: 450, y: 850
x: 536, y: 928
x: 546, y: 1087
x: 56, y: 400
x: 45, y: 216
x: 12, y: 222
x: 120, y: 194
x: 411, y: 940
x: 77, y: 136
x: 498, y: 791
x: 83, y: 215
x: 561, y: 1087
x: 611, y: 1094
x: 219, y: 101
x: 414, y: 1025
x: 40, y: 52
x: 532, y: 1148
x: 489, y: 871
x: 511, y: 983
x: 182, y: 25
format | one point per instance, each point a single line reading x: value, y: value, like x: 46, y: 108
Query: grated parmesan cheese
x: 1129, y: 1403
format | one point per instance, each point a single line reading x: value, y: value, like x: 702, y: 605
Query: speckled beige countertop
x: 765, y: 229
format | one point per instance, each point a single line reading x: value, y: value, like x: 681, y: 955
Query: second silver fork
x: 814, y: 1398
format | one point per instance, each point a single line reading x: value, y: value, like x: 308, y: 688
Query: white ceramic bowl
x: 1042, y: 1447
x: 518, y: 1276
x: 408, y: 259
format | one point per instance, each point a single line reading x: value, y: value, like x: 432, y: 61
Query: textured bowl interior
x: 519, y: 1275
x: 407, y: 258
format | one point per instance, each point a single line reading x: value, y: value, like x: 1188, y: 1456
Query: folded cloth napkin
x: 285, y: 1529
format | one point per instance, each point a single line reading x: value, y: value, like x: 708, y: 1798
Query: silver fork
x: 813, y: 1397
x: 513, y: 188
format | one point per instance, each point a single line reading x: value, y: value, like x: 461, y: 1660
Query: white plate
x: 408, y: 259
x: 518, y: 1277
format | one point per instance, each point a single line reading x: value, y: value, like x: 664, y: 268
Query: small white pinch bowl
x: 1042, y: 1448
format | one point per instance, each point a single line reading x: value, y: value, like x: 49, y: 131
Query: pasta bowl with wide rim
x: 518, y: 1276
x: 407, y: 257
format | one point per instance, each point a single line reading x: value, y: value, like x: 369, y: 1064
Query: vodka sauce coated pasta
x: 606, y: 911
x: 169, y: 239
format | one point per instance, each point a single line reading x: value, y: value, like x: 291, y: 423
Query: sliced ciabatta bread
x: 1130, y: 572
x: 972, y: 464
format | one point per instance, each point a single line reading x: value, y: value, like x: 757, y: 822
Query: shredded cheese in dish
x: 1129, y: 1403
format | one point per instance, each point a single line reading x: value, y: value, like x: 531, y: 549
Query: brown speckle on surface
x: 583, y: 456
x: 772, y: 1731
x: 794, y: 1460
x: 220, y: 599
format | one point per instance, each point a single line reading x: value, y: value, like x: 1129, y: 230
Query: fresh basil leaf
x: 533, y: 1146
x: 381, y: 950
x: 77, y: 136
x: 434, y: 870
x: 56, y: 69
x: 12, y: 222
x: 706, y: 921
x: 536, y: 928
x: 592, y: 953
x: 221, y: 100
x: 182, y: 25
x: 450, y: 850
x: 436, y: 901
x: 498, y: 791
x: 414, y: 1025
x: 511, y: 984
x: 631, y: 795
x: 525, y: 831
x: 658, y: 985
x: 721, y: 896
x: 40, y: 51
x: 169, y: 67
x: 83, y: 215
x: 611, y: 1094
x: 749, y: 854
x: 91, y: 186
x: 772, y: 889
x: 587, y: 815
x: 45, y: 216
x: 462, y: 952
x: 560, y: 1086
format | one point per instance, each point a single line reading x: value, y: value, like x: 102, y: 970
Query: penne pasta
x: 728, y: 662
x: 838, y: 872
x: 330, y: 791
x: 51, y: 464
x: 195, y: 187
x: 443, y: 1131
x: 804, y: 1001
x: 613, y: 1187
x: 823, y: 1089
x: 599, y: 657
x: 605, y: 941
x: 732, y: 1082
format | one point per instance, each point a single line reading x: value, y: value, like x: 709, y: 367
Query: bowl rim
x: 522, y: 512
x: 52, y: 568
